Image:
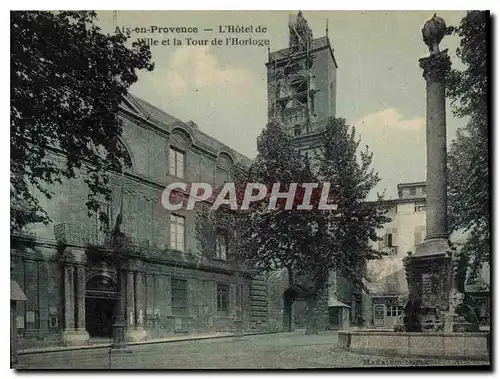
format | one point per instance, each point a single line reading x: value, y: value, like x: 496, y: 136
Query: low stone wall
x: 474, y: 346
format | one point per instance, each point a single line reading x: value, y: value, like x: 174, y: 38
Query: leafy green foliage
x: 351, y: 231
x: 468, y: 158
x: 309, y: 243
x: 67, y: 82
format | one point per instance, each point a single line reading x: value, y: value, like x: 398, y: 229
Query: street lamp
x: 118, y: 243
x: 119, y: 340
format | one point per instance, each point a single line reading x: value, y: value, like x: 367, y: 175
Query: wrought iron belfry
x: 290, y: 80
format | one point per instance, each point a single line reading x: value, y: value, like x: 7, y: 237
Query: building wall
x: 407, y: 227
x: 39, y: 255
x: 324, y: 72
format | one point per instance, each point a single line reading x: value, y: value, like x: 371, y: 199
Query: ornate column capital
x: 135, y: 265
x: 436, y: 66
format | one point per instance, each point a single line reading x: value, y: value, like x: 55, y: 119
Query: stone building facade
x: 67, y: 268
x: 406, y: 230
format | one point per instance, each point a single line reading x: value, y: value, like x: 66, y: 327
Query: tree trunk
x: 312, y: 315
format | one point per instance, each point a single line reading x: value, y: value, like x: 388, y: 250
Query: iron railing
x: 83, y: 235
x: 89, y: 236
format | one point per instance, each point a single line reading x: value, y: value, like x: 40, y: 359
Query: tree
x: 468, y: 158
x: 346, y: 242
x: 67, y: 82
x: 310, y: 244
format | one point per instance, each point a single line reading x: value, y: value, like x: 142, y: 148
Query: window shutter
x: 171, y: 162
x: 418, y: 235
x: 394, y: 237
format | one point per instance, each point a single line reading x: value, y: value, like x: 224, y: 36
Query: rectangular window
x: 177, y: 232
x: 419, y: 234
x: 221, y: 246
x: 413, y: 191
x: 179, y: 297
x: 223, y: 299
x: 176, y: 163
x: 394, y: 311
x: 389, y: 240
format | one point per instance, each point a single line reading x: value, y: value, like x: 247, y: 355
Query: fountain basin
x: 461, y: 345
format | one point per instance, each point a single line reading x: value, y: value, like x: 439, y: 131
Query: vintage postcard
x: 249, y: 189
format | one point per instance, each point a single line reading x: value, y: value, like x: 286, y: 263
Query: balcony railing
x: 88, y: 236
x: 83, y: 235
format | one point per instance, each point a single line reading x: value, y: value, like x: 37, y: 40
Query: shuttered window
x: 177, y: 232
x: 222, y: 299
x: 179, y: 297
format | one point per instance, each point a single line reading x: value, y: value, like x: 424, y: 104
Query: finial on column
x: 433, y: 32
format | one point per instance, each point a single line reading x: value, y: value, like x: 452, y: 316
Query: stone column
x: 119, y: 344
x: 139, y: 296
x: 130, y: 300
x: 74, y: 316
x: 69, y: 298
x: 428, y: 270
x: 435, y: 68
x: 139, y: 299
x: 80, y: 297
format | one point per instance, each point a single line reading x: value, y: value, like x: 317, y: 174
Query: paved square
x: 281, y: 351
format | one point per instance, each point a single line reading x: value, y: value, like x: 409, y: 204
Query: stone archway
x: 100, y: 302
x: 294, y: 308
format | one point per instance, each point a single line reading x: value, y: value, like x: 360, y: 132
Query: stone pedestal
x: 75, y: 337
x: 344, y: 318
x: 238, y: 328
x: 429, y: 287
x: 137, y: 335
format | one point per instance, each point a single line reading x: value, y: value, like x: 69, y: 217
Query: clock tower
x: 301, y: 84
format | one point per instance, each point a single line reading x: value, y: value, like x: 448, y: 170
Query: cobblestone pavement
x: 280, y: 351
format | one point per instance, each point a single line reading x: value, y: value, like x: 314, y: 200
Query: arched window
x: 180, y: 143
x: 126, y: 159
x: 224, y: 167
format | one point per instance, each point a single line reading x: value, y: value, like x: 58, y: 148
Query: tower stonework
x: 302, y: 84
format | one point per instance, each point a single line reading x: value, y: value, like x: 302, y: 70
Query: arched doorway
x: 294, y: 309
x: 100, y: 303
x: 289, y: 297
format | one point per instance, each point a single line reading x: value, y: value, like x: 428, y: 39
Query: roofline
x: 411, y: 184
x: 399, y: 201
x: 152, y: 121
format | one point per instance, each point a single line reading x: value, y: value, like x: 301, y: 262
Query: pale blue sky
x: 380, y: 87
